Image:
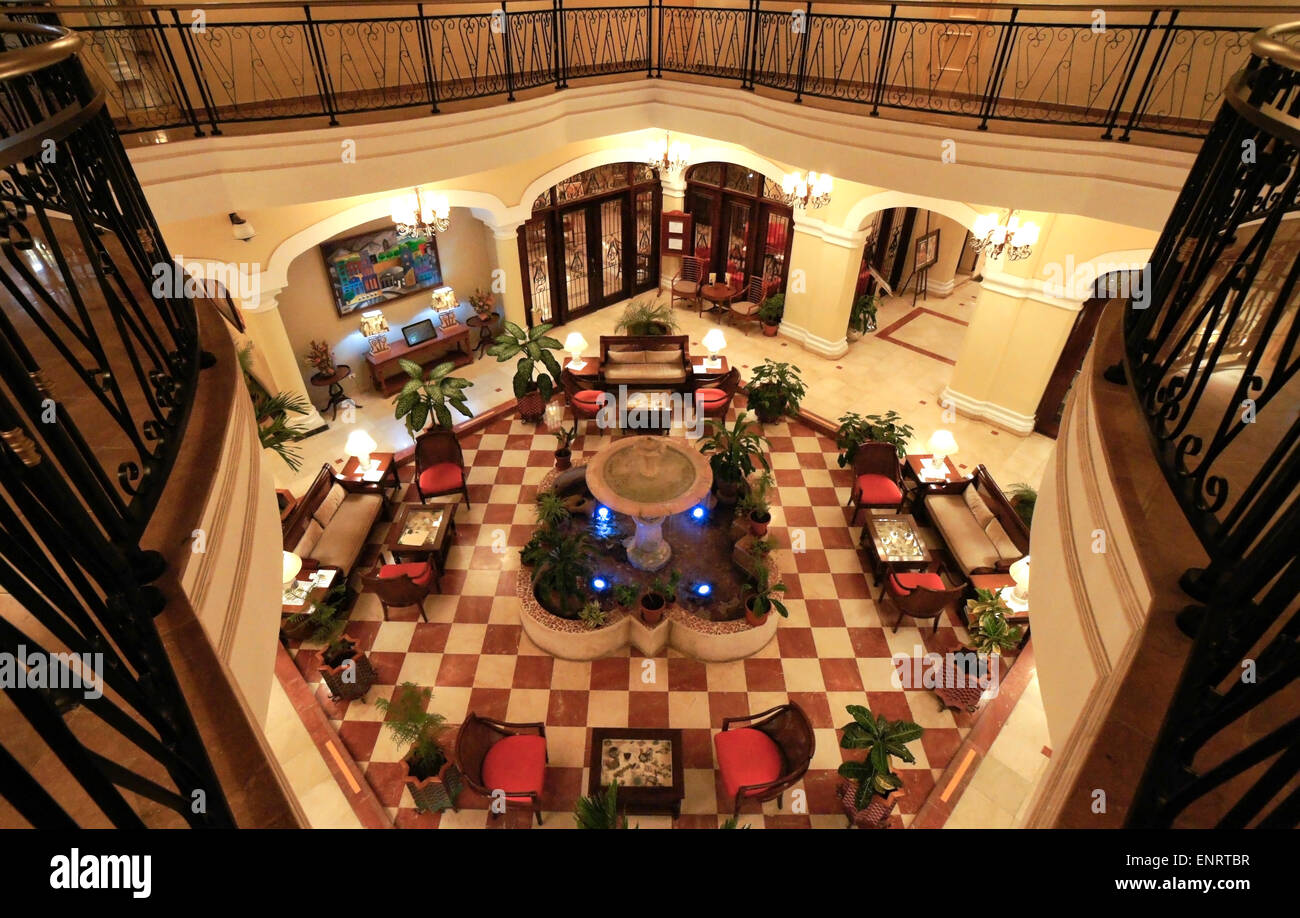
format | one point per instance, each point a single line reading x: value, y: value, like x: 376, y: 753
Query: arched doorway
x: 592, y: 240
x: 742, y: 224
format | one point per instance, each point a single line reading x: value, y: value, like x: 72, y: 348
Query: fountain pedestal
x: 646, y: 549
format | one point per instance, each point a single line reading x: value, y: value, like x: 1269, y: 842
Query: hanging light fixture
x: 667, y: 155
x: 993, y: 237
x: 421, y: 215
x: 806, y: 193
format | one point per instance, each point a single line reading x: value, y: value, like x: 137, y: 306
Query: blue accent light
x: 599, y: 583
x: 602, y: 513
x: 697, y: 512
x: 704, y: 589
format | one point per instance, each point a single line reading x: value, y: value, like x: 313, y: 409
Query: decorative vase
x: 437, y: 793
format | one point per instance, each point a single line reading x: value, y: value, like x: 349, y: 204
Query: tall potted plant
x: 732, y: 453
x: 423, y: 396
x: 770, y: 313
x: 1022, y: 498
x: 775, y: 390
x: 883, y: 739
x: 433, y: 780
x: 537, y: 374
x: 561, y: 572
x: 862, y: 315
x: 272, y: 414
x: 855, y: 430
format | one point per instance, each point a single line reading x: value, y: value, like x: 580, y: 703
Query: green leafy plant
x: 856, y: 430
x: 483, y: 304
x: 755, y: 502
x: 272, y: 414
x: 731, y: 822
x: 561, y: 572
x: 411, y: 724
x: 533, y: 348
x: 732, y: 451
x: 667, y: 588
x: 626, y: 593
x: 763, y: 592
x: 991, y: 633
x: 600, y: 812
x: 423, y: 396
x: 775, y: 390
x: 551, y: 510
x: 762, y: 547
x: 592, y: 615
x: 647, y: 315
x: 884, y: 739
x: 772, y: 310
x: 862, y: 315
x: 325, y: 619
x: 984, y: 603
x: 1023, y: 498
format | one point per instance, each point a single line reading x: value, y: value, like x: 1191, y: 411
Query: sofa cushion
x: 997, y: 534
x: 672, y: 355
x: 744, y: 307
x: 978, y: 507
x: 590, y: 399
x: 310, y: 538
x: 710, y: 398
x: 621, y: 356
x: 330, y: 505
x: 969, y: 544
x: 653, y: 372
x: 746, y: 756
x: 348, y: 530
x: 515, y: 764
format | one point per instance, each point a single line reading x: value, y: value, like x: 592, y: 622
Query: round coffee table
x: 335, y: 383
x: 719, y: 295
x: 649, y: 478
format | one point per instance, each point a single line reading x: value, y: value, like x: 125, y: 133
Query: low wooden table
x: 451, y: 344
x: 590, y: 367
x: 700, y: 372
x: 652, y: 757
x: 923, y: 486
x: 893, y: 543
x: 435, y: 545
x: 719, y: 295
x: 384, y: 476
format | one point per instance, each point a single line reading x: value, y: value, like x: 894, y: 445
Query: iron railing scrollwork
x: 1146, y: 72
x: 1215, y: 363
x: 97, y: 375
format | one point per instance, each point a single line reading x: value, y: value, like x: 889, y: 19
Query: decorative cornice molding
x: 1025, y: 288
x: 998, y: 414
x: 827, y: 232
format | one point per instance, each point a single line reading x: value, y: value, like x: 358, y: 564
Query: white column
x: 273, y: 355
x: 505, y: 237
x: 824, y: 262
x: 674, y: 198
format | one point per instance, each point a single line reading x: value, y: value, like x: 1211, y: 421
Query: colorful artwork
x: 370, y: 269
x: 927, y: 250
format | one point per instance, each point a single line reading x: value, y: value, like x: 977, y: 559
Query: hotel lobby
x: 645, y: 418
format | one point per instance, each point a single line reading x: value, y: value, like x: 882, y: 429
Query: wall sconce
x: 714, y: 341
x: 575, y: 344
x: 241, y: 228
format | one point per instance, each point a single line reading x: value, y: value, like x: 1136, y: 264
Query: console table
x: 452, y: 344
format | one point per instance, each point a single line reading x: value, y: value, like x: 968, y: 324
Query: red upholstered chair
x: 918, y: 595
x: 765, y: 758
x: 714, y: 399
x: 498, y: 756
x: 402, y: 585
x: 686, y: 284
x: 584, y: 402
x: 877, y: 483
x: 439, y: 465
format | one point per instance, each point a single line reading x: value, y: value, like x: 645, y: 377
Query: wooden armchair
x: 402, y: 585
x: 439, y: 465
x: 919, y: 596
x: 877, y: 481
x: 762, y: 760
x: 500, y: 757
x: 746, y: 309
x: 584, y: 401
x: 714, y: 399
x: 687, y: 282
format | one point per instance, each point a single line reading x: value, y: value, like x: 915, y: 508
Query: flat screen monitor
x: 419, y: 332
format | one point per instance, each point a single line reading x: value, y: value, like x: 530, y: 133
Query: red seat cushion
x: 746, y: 756
x: 418, y: 571
x: 514, y: 764
x: 877, y: 489
x: 901, y: 584
x: 441, y: 477
x: 590, y: 399
x: 707, y: 398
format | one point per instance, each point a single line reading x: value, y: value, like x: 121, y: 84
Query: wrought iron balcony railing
x: 1215, y: 362
x: 1125, y: 73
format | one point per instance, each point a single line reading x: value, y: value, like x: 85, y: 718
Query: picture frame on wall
x: 370, y: 269
x: 927, y: 251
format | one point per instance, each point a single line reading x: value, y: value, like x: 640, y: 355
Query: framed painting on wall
x: 375, y: 267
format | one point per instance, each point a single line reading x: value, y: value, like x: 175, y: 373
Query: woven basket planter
x: 352, y: 677
x: 432, y: 795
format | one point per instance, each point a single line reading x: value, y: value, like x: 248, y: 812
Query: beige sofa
x: 645, y: 360
x: 332, y: 521
x: 983, y: 532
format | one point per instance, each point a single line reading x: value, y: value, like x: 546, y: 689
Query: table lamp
x: 373, y: 323
x: 942, y: 445
x: 291, y: 564
x: 361, y: 445
x: 575, y: 344
x: 714, y: 342
x: 1017, y: 597
x: 443, y: 298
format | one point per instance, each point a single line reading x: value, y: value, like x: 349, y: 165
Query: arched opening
x: 591, y: 241
x: 742, y: 225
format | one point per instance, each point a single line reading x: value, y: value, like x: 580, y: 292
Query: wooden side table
x: 590, y: 367
x: 334, y: 382
x: 384, y: 476
x: 486, y: 326
x: 718, y: 295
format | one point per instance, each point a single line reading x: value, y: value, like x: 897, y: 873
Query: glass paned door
x: 577, y: 279
x: 613, y: 284
x: 645, y: 240
x: 537, y: 246
x: 775, y: 244
x: 738, y: 221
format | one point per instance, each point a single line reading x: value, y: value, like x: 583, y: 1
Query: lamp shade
x: 942, y: 443
x: 291, y: 564
x: 361, y: 445
x: 1019, y: 572
x: 575, y: 344
x: 443, y: 297
x: 714, y: 340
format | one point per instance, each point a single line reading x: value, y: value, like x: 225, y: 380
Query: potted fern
x: 424, y: 397
x: 433, y: 780
x: 646, y: 315
x: 775, y: 390
x: 537, y: 375
x: 600, y: 812
x: 1022, y: 498
x: 855, y: 430
x: 755, y: 504
x: 323, y: 621
x: 876, y: 784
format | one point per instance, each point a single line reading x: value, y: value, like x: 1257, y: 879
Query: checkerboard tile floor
x: 831, y: 652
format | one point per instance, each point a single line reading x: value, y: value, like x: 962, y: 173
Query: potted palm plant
x: 884, y: 739
x: 762, y: 600
x: 537, y: 374
x: 423, y: 396
x: 433, y: 780
x: 600, y: 812
x: 775, y: 390
x: 646, y: 315
x: 732, y: 453
x: 770, y: 313
x: 560, y: 572
x: 855, y: 430
x: 755, y: 504
x: 1022, y: 498
x: 862, y: 315
x: 272, y: 414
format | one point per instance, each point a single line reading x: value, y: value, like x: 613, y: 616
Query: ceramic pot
x: 758, y: 523
x: 652, y: 608
x: 562, y: 459
x: 754, y: 619
x: 770, y: 330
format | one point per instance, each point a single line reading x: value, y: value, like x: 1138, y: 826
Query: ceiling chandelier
x: 993, y: 237
x: 814, y: 191
x: 667, y: 155
x: 421, y: 215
